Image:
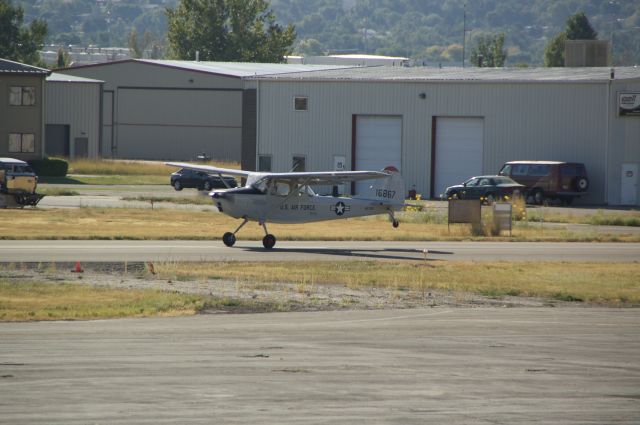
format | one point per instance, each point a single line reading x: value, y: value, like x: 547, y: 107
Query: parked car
x: 543, y: 180
x: 18, y: 183
x: 486, y: 188
x: 17, y: 176
x: 200, y: 180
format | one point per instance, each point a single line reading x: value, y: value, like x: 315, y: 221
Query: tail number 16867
x: 385, y: 193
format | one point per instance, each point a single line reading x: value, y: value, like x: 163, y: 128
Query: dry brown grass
x: 602, y: 283
x: 129, y: 168
x: 121, y: 223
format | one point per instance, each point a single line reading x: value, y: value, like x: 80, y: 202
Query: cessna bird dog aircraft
x: 288, y: 197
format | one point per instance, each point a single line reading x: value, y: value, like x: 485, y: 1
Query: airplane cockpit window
x: 281, y: 189
x: 306, y: 190
x: 261, y: 185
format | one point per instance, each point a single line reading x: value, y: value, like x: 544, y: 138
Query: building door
x: 378, y: 141
x: 629, y: 187
x: 81, y: 145
x: 458, y: 151
x: 57, y: 140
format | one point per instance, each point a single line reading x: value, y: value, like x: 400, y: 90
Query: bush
x: 50, y: 167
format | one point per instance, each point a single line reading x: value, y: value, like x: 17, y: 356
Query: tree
x: 489, y: 51
x: 63, y: 60
x: 310, y: 47
x: 554, y: 51
x: 137, y: 48
x: 19, y: 43
x: 227, y: 30
x: 577, y: 27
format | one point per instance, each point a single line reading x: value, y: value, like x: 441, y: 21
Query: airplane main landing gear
x: 230, y: 238
x: 269, y: 240
x: 394, y: 221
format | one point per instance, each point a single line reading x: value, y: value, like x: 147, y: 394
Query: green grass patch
x: 56, y: 191
x: 108, y: 179
x: 199, y: 200
x: 112, y: 172
x: 615, y: 220
x: 21, y: 301
x: 601, y: 283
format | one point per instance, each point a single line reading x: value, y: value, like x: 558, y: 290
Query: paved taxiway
x: 453, y: 366
x: 120, y: 251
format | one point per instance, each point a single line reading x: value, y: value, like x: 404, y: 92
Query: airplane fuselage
x: 297, y: 209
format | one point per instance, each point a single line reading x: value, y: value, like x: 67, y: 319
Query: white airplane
x: 288, y: 197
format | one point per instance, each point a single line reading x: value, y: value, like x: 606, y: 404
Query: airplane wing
x: 327, y: 177
x: 210, y: 169
x: 317, y: 178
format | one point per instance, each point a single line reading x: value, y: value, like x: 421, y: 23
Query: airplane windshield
x: 261, y: 185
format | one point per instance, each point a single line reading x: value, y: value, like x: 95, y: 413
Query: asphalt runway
x: 427, y: 366
x: 120, y: 251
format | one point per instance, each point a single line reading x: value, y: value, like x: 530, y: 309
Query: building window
x: 264, y: 163
x: 299, y: 164
x: 22, y: 96
x: 300, y: 103
x: 22, y: 143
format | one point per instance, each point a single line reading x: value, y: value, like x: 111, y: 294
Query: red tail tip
x: 391, y: 168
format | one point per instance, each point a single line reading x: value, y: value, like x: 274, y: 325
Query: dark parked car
x: 549, y: 179
x: 486, y: 188
x: 200, y: 180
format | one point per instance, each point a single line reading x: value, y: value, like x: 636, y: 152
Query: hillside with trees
x: 428, y: 31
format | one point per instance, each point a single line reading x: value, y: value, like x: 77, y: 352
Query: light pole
x: 464, y: 30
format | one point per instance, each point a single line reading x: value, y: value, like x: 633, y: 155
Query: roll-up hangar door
x: 378, y: 144
x: 160, y: 123
x: 458, y: 151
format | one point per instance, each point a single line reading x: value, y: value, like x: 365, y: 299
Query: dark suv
x: 543, y: 180
x: 200, y: 180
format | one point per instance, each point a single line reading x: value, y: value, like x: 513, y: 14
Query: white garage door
x: 459, y: 144
x: 378, y: 144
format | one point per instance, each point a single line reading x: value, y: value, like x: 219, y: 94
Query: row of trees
x: 489, y: 50
x: 246, y: 30
x: 227, y: 30
x: 577, y: 27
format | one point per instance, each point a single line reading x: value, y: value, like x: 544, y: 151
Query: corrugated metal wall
x: 76, y: 105
x: 164, y: 113
x: 624, y: 140
x: 549, y: 121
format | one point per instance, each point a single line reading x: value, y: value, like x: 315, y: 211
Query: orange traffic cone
x: 78, y: 269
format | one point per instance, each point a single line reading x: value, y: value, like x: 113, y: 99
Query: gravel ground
x: 263, y: 297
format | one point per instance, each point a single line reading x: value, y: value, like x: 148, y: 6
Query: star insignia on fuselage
x: 340, y: 208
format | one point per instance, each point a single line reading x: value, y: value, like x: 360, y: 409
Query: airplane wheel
x: 229, y: 239
x: 395, y: 223
x: 269, y: 241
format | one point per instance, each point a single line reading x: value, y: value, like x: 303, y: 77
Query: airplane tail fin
x: 390, y: 189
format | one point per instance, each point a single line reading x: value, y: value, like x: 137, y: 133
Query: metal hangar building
x: 442, y: 126
x: 162, y: 109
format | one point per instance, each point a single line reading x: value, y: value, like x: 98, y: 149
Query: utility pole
x: 464, y: 30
